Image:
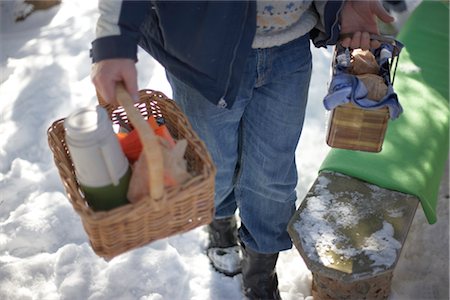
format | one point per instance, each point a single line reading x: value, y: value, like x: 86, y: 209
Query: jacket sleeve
x: 326, y: 32
x: 117, y: 32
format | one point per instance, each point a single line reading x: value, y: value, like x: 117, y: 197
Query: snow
x: 320, y: 238
x: 44, y: 251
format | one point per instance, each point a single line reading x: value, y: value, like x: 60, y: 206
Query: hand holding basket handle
x: 151, y: 146
x: 372, y: 36
x: 360, y: 19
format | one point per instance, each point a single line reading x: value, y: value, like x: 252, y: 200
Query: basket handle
x: 381, y: 38
x: 150, y: 143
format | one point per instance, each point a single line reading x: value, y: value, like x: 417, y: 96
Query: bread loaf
x: 375, y: 86
x: 363, y: 62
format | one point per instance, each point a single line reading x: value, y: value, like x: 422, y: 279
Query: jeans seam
x: 260, y: 63
x: 238, y: 175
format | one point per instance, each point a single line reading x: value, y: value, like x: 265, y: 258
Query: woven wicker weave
x: 353, y: 128
x: 181, y: 208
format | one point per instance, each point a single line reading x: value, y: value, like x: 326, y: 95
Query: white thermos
x: 100, y: 164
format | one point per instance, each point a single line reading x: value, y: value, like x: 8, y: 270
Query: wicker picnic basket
x: 176, y: 210
x: 355, y: 128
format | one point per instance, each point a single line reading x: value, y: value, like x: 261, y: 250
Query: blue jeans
x: 253, y: 143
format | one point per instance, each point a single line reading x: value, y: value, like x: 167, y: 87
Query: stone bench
x: 350, y: 234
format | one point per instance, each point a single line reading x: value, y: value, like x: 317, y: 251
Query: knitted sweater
x: 281, y: 21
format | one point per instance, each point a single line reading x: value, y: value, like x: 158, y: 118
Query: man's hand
x: 107, y: 73
x: 359, y: 18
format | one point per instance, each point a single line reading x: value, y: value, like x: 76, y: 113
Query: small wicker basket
x: 354, y: 128
x: 179, y: 209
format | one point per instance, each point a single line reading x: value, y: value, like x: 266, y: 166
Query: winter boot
x: 223, y: 249
x: 259, y: 277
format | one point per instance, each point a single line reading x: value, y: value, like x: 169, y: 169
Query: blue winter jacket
x: 203, y: 43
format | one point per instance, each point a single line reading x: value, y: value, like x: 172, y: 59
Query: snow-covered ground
x: 44, y: 252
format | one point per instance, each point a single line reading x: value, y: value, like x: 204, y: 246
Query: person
x: 240, y: 71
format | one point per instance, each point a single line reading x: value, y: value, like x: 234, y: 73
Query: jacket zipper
x: 222, y: 102
x: 336, y: 20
